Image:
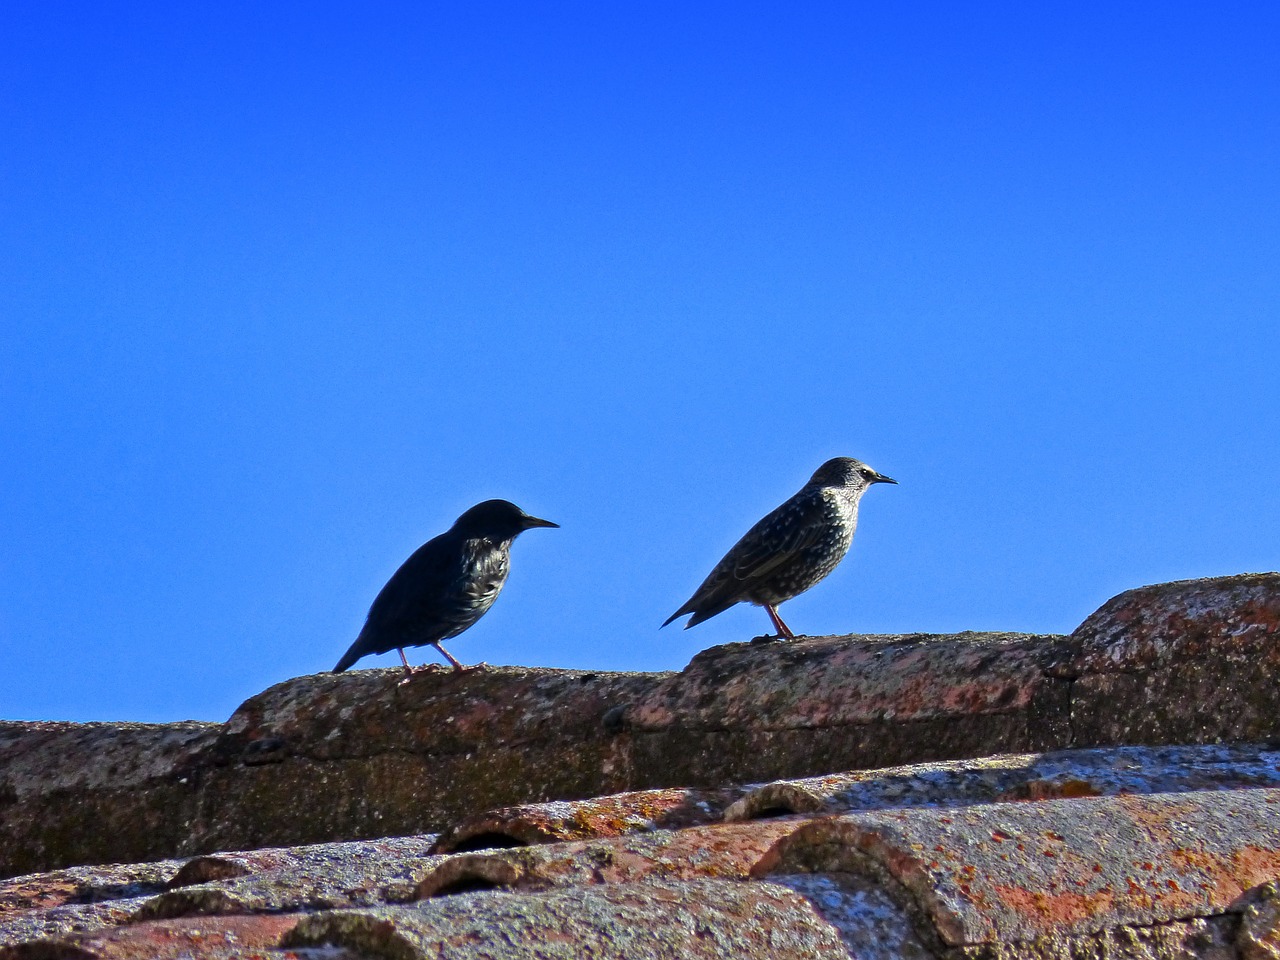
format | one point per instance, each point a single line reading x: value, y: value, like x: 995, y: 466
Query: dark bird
x: 791, y: 549
x: 445, y: 586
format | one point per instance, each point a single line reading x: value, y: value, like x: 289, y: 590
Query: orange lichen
x: 1050, y: 911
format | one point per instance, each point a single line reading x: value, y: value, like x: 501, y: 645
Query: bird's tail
x: 708, y: 610
x: 354, y: 653
x: 702, y: 608
x: 679, y: 613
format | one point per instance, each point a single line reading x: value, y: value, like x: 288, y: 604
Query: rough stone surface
x: 660, y: 919
x: 1017, y: 871
x: 1043, y: 776
x: 872, y: 925
x: 1185, y: 663
x: 1176, y: 874
x: 83, y: 885
x: 1235, y: 617
x: 210, y: 938
x: 82, y: 900
x: 95, y: 792
x: 388, y: 758
x: 974, y: 817
x: 711, y: 852
x: 39, y: 906
x: 1210, y: 939
x: 60, y: 922
x: 378, y: 758
x: 608, y: 816
x: 323, y: 876
x: 749, y: 711
x: 1259, y: 936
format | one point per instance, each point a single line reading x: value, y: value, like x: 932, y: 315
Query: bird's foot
x: 411, y: 672
x: 769, y: 638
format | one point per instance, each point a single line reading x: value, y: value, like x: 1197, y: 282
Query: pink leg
x: 782, y: 628
x: 448, y: 656
x: 408, y: 670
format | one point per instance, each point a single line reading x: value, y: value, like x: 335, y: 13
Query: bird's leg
x: 458, y: 667
x: 782, y: 628
x: 408, y: 670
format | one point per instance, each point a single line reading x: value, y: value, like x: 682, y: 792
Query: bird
x: 445, y: 586
x: 791, y: 549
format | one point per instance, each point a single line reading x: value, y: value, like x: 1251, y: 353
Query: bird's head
x: 498, y: 520
x: 847, y: 472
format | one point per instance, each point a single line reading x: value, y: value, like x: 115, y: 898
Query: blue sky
x: 285, y: 288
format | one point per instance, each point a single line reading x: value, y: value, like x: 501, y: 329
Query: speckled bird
x: 791, y: 549
x: 445, y: 586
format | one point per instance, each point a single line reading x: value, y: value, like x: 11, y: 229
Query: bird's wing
x: 776, y: 540
x: 771, y: 543
x: 407, y: 608
x: 423, y: 580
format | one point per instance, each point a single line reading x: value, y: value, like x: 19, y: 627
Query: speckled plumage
x: 791, y: 549
x: 445, y: 586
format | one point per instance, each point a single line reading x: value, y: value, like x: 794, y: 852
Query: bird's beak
x: 530, y: 522
x: 881, y: 478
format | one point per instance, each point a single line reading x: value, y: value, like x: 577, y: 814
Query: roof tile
x: 1015, y: 871
x: 607, y: 816
x: 662, y: 920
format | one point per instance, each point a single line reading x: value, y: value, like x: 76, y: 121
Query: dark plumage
x: 791, y: 549
x: 445, y: 586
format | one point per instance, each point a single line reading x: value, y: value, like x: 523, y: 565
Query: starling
x: 445, y: 586
x: 791, y: 549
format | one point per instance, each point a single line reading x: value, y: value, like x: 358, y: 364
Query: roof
x: 1111, y: 792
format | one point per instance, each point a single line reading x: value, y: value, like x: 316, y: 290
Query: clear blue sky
x: 284, y: 288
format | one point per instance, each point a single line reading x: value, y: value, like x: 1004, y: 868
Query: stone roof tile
x: 1017, y: 871
x: 607, y: 816
x: 717, y: 851
x: 1184, y: 620
x: 412, y: 759
x: 206, y: 938
x: 623, y: 815
x: 663, y: 920
x: 1036, y: 776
